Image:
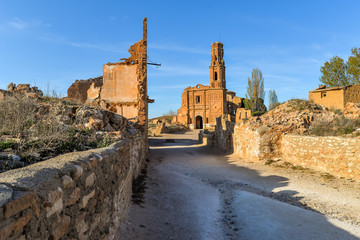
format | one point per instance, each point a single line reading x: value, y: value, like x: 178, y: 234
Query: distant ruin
x: 201, y: 105
x: 335, y: 97
x: 123, y: 86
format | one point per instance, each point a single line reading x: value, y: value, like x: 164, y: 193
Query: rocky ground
x: 195, y: 192
x: 162, y: 125
x: 34, y: 127
x: 299, y: 116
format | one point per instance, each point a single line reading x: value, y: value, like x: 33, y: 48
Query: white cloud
x: 118, y: 48
x: 19, y: 24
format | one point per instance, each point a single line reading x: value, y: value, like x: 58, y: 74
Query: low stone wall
x: 247, y: 143
x: 338, y: 156
x: 81, y: 195
x: 335, y: 155
x: 224, y: 130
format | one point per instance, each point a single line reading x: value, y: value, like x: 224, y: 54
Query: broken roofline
x: 138, y: 51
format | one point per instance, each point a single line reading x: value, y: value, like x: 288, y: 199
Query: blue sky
x: 52, y: 43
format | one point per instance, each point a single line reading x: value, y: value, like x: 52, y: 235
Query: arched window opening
x: 216, y: 77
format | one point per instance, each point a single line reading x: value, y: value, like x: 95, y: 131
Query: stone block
x: 99, y: 157
x: 89, y: 182
x: 101, y: 195
x: 73, y: 197
x: 92, y: 204
x: 93, y: 161
x: 21, y: 201
x: 80, y: 224
x: 21, y: 222
x: 5, y: 194
x: 76, y: 172
x: 85, y: 199
x: 67, y: 181
x: 56, y: 208
x: 61, y: 229
x: 52, y: 197
x: 6, y: 230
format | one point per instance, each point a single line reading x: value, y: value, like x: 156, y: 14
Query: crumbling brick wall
x: 123, y: 88
x: 82, y: 195
x: 78, y: 90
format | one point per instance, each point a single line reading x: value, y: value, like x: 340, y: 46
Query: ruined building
x: 123, y: 86
x: 201, y: 105
x: 335, y: 97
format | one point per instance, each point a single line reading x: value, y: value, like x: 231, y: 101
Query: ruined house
x: 123, y: 86
x: 335, y: 97
x: 201, y: 105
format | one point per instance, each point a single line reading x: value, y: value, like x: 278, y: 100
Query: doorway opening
x: 199, y: 122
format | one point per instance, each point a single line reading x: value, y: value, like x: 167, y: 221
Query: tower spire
x: 217, y: 66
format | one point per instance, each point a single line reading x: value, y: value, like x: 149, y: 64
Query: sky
x: 51, y: 43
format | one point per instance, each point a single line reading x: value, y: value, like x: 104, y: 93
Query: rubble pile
x: 34, y: 128
x: 294, y: 116
x: 352, y: 110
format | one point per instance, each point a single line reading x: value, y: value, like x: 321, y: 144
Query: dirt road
x: 195, y: 192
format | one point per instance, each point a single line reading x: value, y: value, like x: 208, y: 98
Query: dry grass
x: 42, y: 135
x: 338, y: 127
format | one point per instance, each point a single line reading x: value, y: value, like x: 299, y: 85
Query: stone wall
x: 335, y: 155
x: 352, y: 94
x: 81, y: 195
x: 224, y: 130
x: 246, y: 143
x: 338, y: 156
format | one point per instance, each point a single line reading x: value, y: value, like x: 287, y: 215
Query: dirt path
x: 194, y: 192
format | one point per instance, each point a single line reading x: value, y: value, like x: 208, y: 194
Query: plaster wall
x: 330, y: 99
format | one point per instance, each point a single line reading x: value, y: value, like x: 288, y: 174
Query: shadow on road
x: 248, y: 209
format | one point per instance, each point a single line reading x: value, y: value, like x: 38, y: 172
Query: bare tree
x: 273, y: 99
x: 255, y: 91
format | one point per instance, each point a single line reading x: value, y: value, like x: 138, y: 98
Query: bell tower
x: 217, y: 66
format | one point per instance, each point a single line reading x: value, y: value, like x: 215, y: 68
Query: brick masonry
x: 81, y: 195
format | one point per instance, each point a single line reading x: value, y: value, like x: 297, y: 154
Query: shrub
x: 339, y: 126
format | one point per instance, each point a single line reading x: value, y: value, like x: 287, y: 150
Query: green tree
x: 334, y: 73
x: 255, y: 92
x: 353, y: 68
x: 273, y: 99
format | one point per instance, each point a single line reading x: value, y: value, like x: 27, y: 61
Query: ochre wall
x: 78, y: 90
x: 211, y: 106
x: 333, y: 99
x: 120, y: 88
x: 119, y: 83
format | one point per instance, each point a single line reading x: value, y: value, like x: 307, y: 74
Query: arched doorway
x: 199, y: 122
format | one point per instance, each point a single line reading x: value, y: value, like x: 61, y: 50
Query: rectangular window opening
x: 198, y: 99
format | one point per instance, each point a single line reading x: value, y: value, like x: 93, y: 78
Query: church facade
x: 201, y: 105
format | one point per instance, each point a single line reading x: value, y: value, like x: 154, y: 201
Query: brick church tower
x: 217, y: 66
